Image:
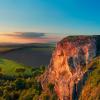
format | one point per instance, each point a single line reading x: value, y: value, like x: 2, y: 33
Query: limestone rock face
x: 65, y: 69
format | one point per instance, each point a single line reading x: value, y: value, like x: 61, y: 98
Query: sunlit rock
x: 65, y: 69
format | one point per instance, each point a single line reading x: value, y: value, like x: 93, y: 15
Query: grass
x: 8, y: 67
x: 91, y: 89
x: 19, y: 88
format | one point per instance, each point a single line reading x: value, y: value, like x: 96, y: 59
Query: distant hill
x: 28, y: 54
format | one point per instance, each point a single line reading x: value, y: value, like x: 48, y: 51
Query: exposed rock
x: 68, y: 59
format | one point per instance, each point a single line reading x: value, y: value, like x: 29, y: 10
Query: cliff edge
x: 66, y: 68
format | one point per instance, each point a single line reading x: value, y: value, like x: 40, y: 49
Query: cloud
x: 30, y: 37
x: 25, y: 34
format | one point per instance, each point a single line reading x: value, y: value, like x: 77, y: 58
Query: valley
x: 30, y: 55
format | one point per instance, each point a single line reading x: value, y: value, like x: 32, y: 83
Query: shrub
x: 1, y: 92
x: 38, y: 88
x: 54, y: 96
x: 20, y: 84
x: 1, y: 75
x: 0, y: 69
x: 18, y: 70
x: 28, y: 97
x: 46, y: 97
x: 51, y: 87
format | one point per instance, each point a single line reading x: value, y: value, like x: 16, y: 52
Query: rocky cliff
x: 68, y: 60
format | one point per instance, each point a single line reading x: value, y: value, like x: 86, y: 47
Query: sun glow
x: 13, y: 39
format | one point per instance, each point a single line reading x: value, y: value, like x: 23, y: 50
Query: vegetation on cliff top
x: 91, y: 88
x: 77, y: 38
x: 19, y: 82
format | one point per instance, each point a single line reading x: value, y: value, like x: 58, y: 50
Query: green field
x: 11, y: 68
x: 19, y: 82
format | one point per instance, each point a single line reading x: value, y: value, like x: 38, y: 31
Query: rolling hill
x: 30, y: 55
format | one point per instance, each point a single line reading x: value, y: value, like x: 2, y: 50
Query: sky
x: 53, y: 18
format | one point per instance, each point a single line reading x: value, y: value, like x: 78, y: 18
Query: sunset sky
x: 30, y: 37
x: 42, y: 21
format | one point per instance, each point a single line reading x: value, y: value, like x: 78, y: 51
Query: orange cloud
x: 14, y: 39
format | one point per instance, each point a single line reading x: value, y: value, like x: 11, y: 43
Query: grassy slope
x: 91, y: 89
x: 9, y: 67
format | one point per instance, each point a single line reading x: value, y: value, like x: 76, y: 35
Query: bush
x: 18, y: 70
x: 54, y: 96
x: 20, y: 84
x: 46, y: 97
x: 28, y: 97
x: 51, y: 87
x: 1, y: 75
x: 1, y: 92
x: 38, y: 88
x: 0, y: 69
